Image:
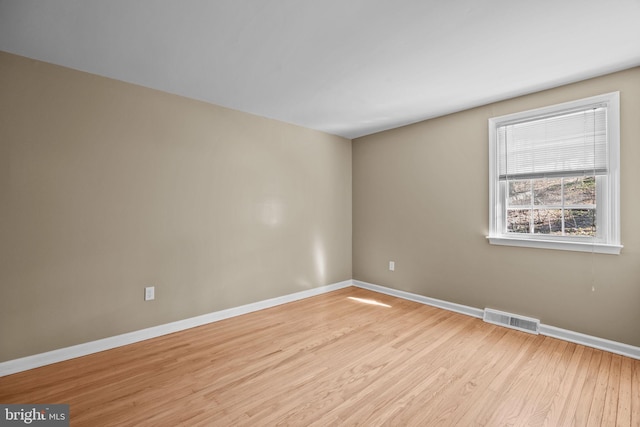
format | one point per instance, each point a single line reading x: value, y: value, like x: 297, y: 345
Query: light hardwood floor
x: 336, y: 359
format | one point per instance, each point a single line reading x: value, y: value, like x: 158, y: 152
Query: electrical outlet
x: 149, y: 293
x: 392, y: 266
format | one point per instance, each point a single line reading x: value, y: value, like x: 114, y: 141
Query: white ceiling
x: 346, y: 67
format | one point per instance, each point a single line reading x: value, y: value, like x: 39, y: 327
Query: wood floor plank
x: 548, y: 384
x: 610, y: 411
x: 472, y: 382
x: 524, y: 386
x: 415, y: 403
x: 567, y: 402
x: 349, y: 357
x: 517, y: 347
x: 623, y: 417
x: 635, y: 393
x: 400, y: 364
x: 597, y: 409
x: 588, y: 389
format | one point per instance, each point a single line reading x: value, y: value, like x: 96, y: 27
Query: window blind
x: 571, y: 144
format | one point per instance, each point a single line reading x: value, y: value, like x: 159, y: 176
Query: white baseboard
x: 458, y: 308
x: 550, y: 331
x: 591, y: 341
x: 54, y: 356
x: 59, y: 355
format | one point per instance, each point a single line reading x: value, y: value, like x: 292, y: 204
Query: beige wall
x: 107, y: 187
x: 420, y: 198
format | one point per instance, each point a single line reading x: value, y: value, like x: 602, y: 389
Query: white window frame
x: 607, y: 239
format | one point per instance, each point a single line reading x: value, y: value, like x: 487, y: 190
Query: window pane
x: 548, y: 191
x: 547, y: 221
x: 580, y: 191
x: 518, y: 220
x: 580, y: 222
x: 520, y: 193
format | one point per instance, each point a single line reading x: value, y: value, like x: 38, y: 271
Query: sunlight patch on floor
x: 369, y: 301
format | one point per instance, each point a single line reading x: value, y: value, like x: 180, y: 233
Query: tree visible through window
x: 557, y: 206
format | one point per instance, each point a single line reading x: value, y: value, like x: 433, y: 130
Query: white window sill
x: 599, y: 248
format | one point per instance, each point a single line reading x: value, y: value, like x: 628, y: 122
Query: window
x: 554, y: 177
